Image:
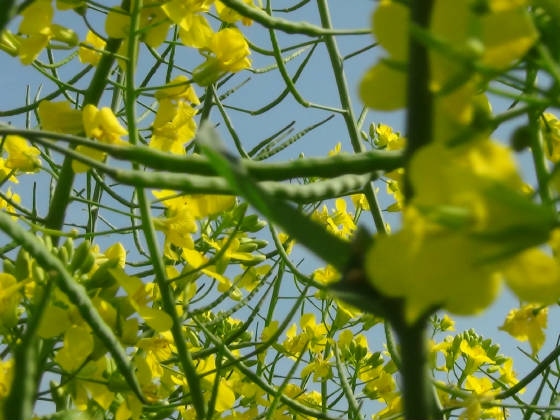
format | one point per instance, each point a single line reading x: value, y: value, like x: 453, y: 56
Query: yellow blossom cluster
x: 452, y: 250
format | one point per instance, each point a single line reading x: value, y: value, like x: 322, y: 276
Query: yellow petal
x: 390, y: 27
x: 226, y: 398
x: 95, y: 154
x: 157, y: 320
x: 53, y: 322
x: 534, y: 276
x: 117, y: 24
x: 384, y: 88
x: 507, y: 36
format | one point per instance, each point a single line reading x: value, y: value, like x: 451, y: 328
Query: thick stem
x: 417, y: 388
x: 419, y: 98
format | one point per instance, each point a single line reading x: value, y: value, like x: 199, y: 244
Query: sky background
x: 316, y: 85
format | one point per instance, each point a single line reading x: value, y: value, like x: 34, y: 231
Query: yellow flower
x: 321, y: 369
x: 527, y: 323
x: 252, y: 276
x: 387, y: 139
x: 90, y: 384
x: 158, y: 349
x: 177, y: 226
x: 194, y: 29
x: 393, y: 409
x: 6, y: 206
x: 534, y: 276
x: 178, y: 89
x: 226, y: 397
x: 231, y: 54
x: 38, y: 30
x: 6, y: 377
x: 476, y: 356
x: 231, y: 50
x: 21, y: 155
x: 153, y: 23
x: 380, y: 383
x: 339, y: 222
x: 431, y: 266
x: 269, y: 331
x: 78, y: 345
x: 231, y: 16
x: 503, y: 35
x: 447, y: 324
x: 60, y: 117
x: 507, y: 374
x: 10, y: 297
x: 54, y: 322
x: 395, y: 187
x: 88, y: 55
x: 286, y: 242
x: 173, y: 126
x: 100, y: 124
x: 326, y: 275
x: 483, y: 391
x: 550, y: 128
x: 360, y: 201
x: 6, y: 173
x: 139, y: 295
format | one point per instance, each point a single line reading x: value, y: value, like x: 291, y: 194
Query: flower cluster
x: 469, y: 223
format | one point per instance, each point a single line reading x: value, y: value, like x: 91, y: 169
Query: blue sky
x: 316, y: 85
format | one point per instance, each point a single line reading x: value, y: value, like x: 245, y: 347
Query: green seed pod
x: 239, y: 211
x: 364, y: 135
x: 58, y: 396
x: 261, y: 243
x: 192, y: 337
x: 22, y: 265
x: 48, y: 242
x: 252, y: 223
x: 247, y: 245
x: 9, y: 266
x: 80, y: 255
x: 257, y: 259
x: 372, y: 131
x: 63, y: 255
x: 88, y: 263
x: 102, y: 278
x: 69, y: 245
x: 37, y: 273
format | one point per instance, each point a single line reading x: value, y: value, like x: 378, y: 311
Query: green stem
x: 21, y: 400
x: 352, y: 403
x: 419, y: 99
x: 418, y: 394
x: 537, y: 143
x: 167, y: 298
x: 287, y: 26
x: 61, y: 196
x: 349, y: 117
x: 417, y: 388
x: 76, y: 294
